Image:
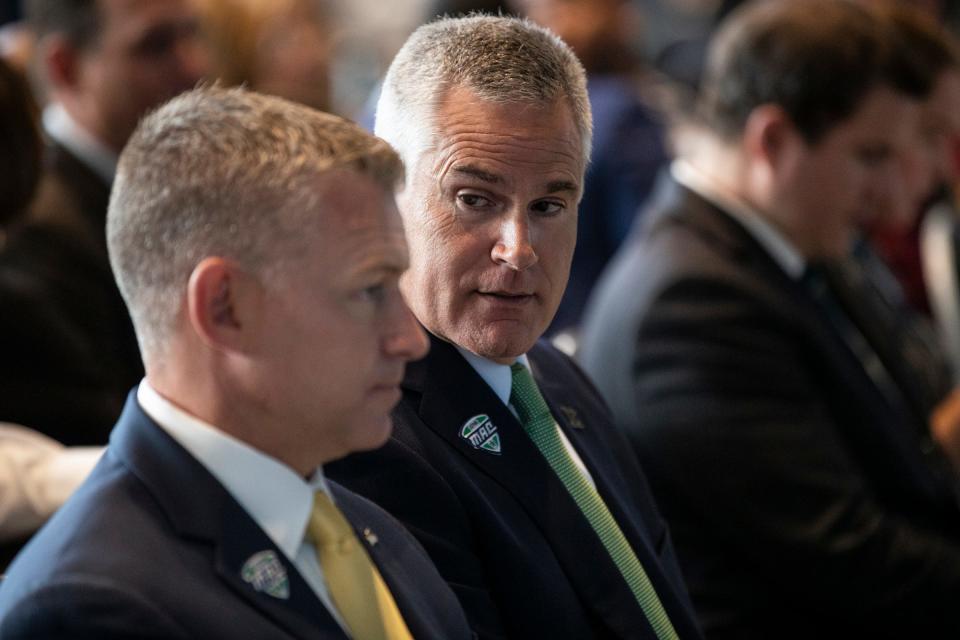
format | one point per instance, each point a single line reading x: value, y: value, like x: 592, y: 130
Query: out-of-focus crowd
x: 765, y: 289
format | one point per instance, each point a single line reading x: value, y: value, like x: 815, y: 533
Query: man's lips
x: 507, y: 295
x: 507, y: 300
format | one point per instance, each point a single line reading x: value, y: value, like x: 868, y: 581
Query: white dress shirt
x: 271, y: 493
x: 500, y: 379
x: 64, y: 129
x: 783, y: 252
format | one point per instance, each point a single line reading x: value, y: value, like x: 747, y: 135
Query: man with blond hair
x: 258, y: 247
x: 527, y: 500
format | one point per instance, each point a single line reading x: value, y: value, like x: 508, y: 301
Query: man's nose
x: 406, y: 338
x: 514, y: 248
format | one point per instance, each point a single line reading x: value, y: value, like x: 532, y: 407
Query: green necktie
x: 542, y: 429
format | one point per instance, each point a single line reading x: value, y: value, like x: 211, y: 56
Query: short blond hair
x: 223, y: 172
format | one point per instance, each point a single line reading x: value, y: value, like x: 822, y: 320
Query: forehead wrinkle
x: 456, y: 161
x: 491, y: 141
x: 478, y: 173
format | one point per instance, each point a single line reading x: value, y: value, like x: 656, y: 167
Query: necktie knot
x: 525, y: 396
x: 328, y: 528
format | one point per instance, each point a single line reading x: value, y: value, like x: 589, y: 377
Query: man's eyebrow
x: 561, y: 185
x: 555, y: 186
x: 477, y: 173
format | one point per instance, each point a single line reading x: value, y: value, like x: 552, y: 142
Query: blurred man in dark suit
x: 258, y: 246
x: 806, y: 498
x: 69, y: 350
x: 505, y: 463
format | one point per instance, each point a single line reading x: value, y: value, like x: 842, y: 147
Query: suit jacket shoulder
x: 793, y: 492
x: 152, y: 542
x: 501, y: 528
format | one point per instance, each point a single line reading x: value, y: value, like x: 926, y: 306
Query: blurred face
x: 838, y: 183
x: 928, y: 162
x: 491, y: 217
x: 294, y: 58
x: 599, y: 31
x: 335, y: 332
x: 147, y: 52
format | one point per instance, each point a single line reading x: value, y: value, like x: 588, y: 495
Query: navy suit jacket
x: 152, y: 546
x: 804, y: 503
x: 500, y: 526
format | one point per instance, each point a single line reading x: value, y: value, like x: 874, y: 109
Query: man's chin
x: 500, y: 341
x: 372, y: 435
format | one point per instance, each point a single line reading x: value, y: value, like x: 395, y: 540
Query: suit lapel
x: 579, y: 424
x: 246, y: 555
x: 207, y: 514
x: 452, y: 395
x: 894, y: 447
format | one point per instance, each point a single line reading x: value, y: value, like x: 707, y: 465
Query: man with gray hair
x: 258, y: 247
x: 526, y: 498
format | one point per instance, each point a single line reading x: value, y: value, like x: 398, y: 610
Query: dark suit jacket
x: 803, y: 504
x: 152, y: 546
x: 903, y: 339
x: 69, y: 351
x: 501, y: 527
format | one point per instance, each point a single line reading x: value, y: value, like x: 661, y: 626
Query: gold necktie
x: 359, y: 593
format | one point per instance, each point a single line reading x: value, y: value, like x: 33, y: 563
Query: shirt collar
x: 497, y: 376
x: 277, y: 499
x: 60, y: 126
x: 777, y: 245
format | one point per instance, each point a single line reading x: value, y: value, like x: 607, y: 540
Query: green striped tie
x: 542, y: 429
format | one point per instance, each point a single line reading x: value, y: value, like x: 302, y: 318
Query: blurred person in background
x: 897, y: 239
x: 804, y: 492
x: 70, y: 354
x: 36, y: 473
x: 277, y: 47
x: 20, y: 145
x: 904, y: 339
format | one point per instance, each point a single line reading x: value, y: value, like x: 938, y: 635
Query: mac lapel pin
x: 265, y: 573
x: 481, y: 434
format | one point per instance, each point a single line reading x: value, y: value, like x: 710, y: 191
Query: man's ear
x: 768, y: 134
x: 221, y: 304
x: 61, y: 62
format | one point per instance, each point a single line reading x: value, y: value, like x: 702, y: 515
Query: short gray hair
x: 502, y: 59
x: 229, y: 173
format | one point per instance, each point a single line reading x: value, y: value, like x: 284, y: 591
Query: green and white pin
x: 264, y: 572
x: 481, y: 433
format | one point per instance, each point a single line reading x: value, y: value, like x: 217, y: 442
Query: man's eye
x: 373, y: 292
x: 475, y: 201
x: 873, y: 156
x: 547, y: 207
